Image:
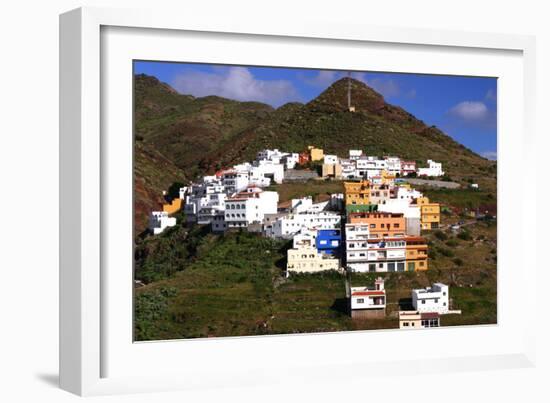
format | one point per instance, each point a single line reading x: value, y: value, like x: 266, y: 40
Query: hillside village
x: 305, y: 239
x: 373, y: 226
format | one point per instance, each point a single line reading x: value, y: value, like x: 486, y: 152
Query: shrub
x: 465, y: 235
x: 452, y: 243
x: 446, y: 252
x: 440, y: 235
x: 458, y: 261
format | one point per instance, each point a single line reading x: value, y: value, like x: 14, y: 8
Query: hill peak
x: 335, y: 97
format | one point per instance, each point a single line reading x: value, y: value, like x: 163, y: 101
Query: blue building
x: 329, y: 241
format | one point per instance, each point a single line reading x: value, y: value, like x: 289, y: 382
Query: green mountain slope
x: 194, y: 136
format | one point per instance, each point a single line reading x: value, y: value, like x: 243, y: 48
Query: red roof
x: 367, y: 293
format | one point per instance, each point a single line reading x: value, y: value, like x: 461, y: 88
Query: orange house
x: 416, y: 253
x: 357, y: 192
x: 173, y: 207
x: 381, y: 225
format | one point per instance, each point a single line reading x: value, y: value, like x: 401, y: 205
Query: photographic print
x: 272, y: 200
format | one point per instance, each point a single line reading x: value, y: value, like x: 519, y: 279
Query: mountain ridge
x: 199, y: 135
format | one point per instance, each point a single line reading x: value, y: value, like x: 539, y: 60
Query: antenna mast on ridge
x: 350, y: 108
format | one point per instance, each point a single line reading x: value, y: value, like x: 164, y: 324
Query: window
x: 396, y: 225
x: 436, y: 300
x: 422, y: 265
x: 423, y: 301
x: 391, y: 266
x: 405, y: 324
x: 372, y: 267
x: 401, y: 266
x: 410, y: 266
x: 360, y: 300
x: 444, y: 304
x: 373, y: 225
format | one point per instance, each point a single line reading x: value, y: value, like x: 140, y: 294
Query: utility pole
x: 349, y: 90
x: 350, y: 108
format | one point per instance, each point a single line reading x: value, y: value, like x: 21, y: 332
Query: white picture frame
x: 93, y: 349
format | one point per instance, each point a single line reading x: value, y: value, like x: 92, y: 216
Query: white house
x: 366, y: 254
x: 348, y: 168
x: 306, y: 205
x: 304, y: 238
x: 434, y: 169
x: 368, y: 302
x: 268, y: 169
x: 431, y: 299
x: 210, y: 194
x: 270, y: 155
x: 249, y: 206
x: 291, y: 224
x: 235, y: 180
x: 290, y: 160
x: 370, y: 166
x: 204, y: 200
x: 159, y: 221
x: 393, y: 165
x: 354, y: 154
x: 330, y: 159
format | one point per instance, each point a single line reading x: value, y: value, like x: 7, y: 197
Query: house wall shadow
x: 341, y: 305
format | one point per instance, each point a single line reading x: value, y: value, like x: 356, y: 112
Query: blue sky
x: 463, y: 107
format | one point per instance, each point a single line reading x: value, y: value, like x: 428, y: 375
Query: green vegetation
x: 452, y: 243
x: 460, y: 198
x: 464, y: 235
x: 149, y: 307
x: 440, y: 235
x: 234, y: 285
x: 237, y: 288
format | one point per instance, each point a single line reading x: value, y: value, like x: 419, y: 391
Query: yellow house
x: 357, y: 193
x: 430, y: 213
x: 308, y: 260
x: 315, y: 154
x: 173, y: 207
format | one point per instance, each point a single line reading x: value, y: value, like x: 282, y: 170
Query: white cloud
x: 470, y: 111
x: 490, y: 155
x: 236, y: 83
